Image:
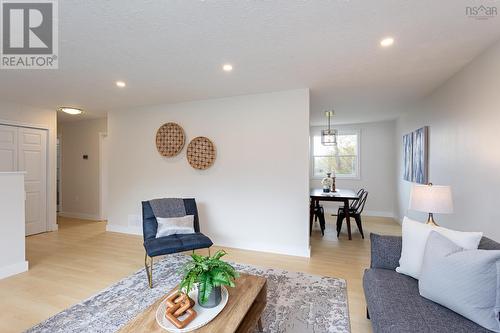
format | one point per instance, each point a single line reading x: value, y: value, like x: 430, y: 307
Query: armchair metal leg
x: 208, y: 251
x: 149, y: 270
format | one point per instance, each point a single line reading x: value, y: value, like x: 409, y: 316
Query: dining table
x: 339, y: 195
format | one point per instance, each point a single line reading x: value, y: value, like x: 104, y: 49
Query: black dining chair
x: 355, y: 203
x: 319, y: 214
x: 355, y: 211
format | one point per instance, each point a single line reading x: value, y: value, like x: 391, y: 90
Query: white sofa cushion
x: 465, y: 281
x: 415, y: 236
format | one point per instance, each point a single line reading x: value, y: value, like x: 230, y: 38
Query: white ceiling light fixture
x: 387, y: 41
x: 329, y: 135
x: 121, y: 84
x: 70, y: 110
x: 227, y: 67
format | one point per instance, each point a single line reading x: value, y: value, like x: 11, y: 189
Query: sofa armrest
x: 385, y: 251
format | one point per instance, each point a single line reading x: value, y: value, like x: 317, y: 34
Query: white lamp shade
x: 431, y: 199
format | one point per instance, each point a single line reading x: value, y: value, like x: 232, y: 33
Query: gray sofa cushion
x: 396, y: 306
x: 488, y: 244
x: 386, y: 251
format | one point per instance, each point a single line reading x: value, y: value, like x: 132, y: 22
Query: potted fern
x: 210, y: 273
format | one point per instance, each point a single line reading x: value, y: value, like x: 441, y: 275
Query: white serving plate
x: 204, y: 315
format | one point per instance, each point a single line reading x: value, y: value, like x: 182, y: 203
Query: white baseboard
x: 289, y: 251
x: 13, y: 269
x: 82, y: 216
x: 376, y: 213
x: 124, y: 229
x: 298, y: 252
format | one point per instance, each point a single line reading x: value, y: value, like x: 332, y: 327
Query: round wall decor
x: 201, y: 153
x: 170, y: 139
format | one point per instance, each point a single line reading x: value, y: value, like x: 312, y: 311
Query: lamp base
x: 430, y: 220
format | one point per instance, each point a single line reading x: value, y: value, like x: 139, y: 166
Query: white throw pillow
x: 174, y: 225
x: 465, y: 281
x: 415, y: 236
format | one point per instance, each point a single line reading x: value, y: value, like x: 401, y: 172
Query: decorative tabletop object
x: 328, y: 183
x: 333, y: 188
x: 201, y: 153
x: 209, y: 273
x: 178, y: 305
x: 170, y: 139
x: 188, y: 321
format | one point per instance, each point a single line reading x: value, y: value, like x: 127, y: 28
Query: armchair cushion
x: 176, y: 243
x: 150, y: 224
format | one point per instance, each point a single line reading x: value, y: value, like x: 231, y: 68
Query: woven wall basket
x: 170, y: 139
x: 201, y: 153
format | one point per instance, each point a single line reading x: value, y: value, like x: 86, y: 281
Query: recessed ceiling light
x: 121, y: 84
x: 388, y: 41
x: 227, y: 67
x: 70, y: 110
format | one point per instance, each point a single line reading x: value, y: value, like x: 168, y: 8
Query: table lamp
x: 431, y: 199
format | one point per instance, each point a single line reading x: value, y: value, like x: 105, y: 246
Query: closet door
x: 8, y: 148
x: 32, y: 145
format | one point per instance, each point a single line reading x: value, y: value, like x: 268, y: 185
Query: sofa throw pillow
x: 174, y: 225
x: 415, y: 236
x: 465, y: 281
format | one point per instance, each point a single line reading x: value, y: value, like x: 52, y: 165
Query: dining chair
x: 355, y: 203
x: 319, y: 214
x: 354, y: 212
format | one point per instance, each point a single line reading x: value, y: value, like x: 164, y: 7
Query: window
x: 345, y: 161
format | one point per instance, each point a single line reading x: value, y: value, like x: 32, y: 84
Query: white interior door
x: 8, y: 148
x: 33, y: 160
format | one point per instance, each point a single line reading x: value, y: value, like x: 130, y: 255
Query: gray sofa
x: 393, y: 301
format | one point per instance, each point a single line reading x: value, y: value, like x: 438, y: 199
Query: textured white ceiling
x: 171, y: 51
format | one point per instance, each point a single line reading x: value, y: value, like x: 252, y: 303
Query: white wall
x: 22, y: 115
x: 254, y: 197
x: 464, y: 120
x: 12, y: 225
x: 377, y: 155
x: 80, y: 177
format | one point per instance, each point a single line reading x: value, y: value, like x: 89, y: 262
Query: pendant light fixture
x: 329, y: 136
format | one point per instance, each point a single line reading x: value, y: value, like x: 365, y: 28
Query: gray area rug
x: 297, y: 302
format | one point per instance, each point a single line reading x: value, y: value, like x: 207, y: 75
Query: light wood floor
x: 81, y: 259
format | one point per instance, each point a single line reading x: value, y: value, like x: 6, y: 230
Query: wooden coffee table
x: 242, y: 313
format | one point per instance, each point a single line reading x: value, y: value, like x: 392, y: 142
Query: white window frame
x: 317, y: 132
